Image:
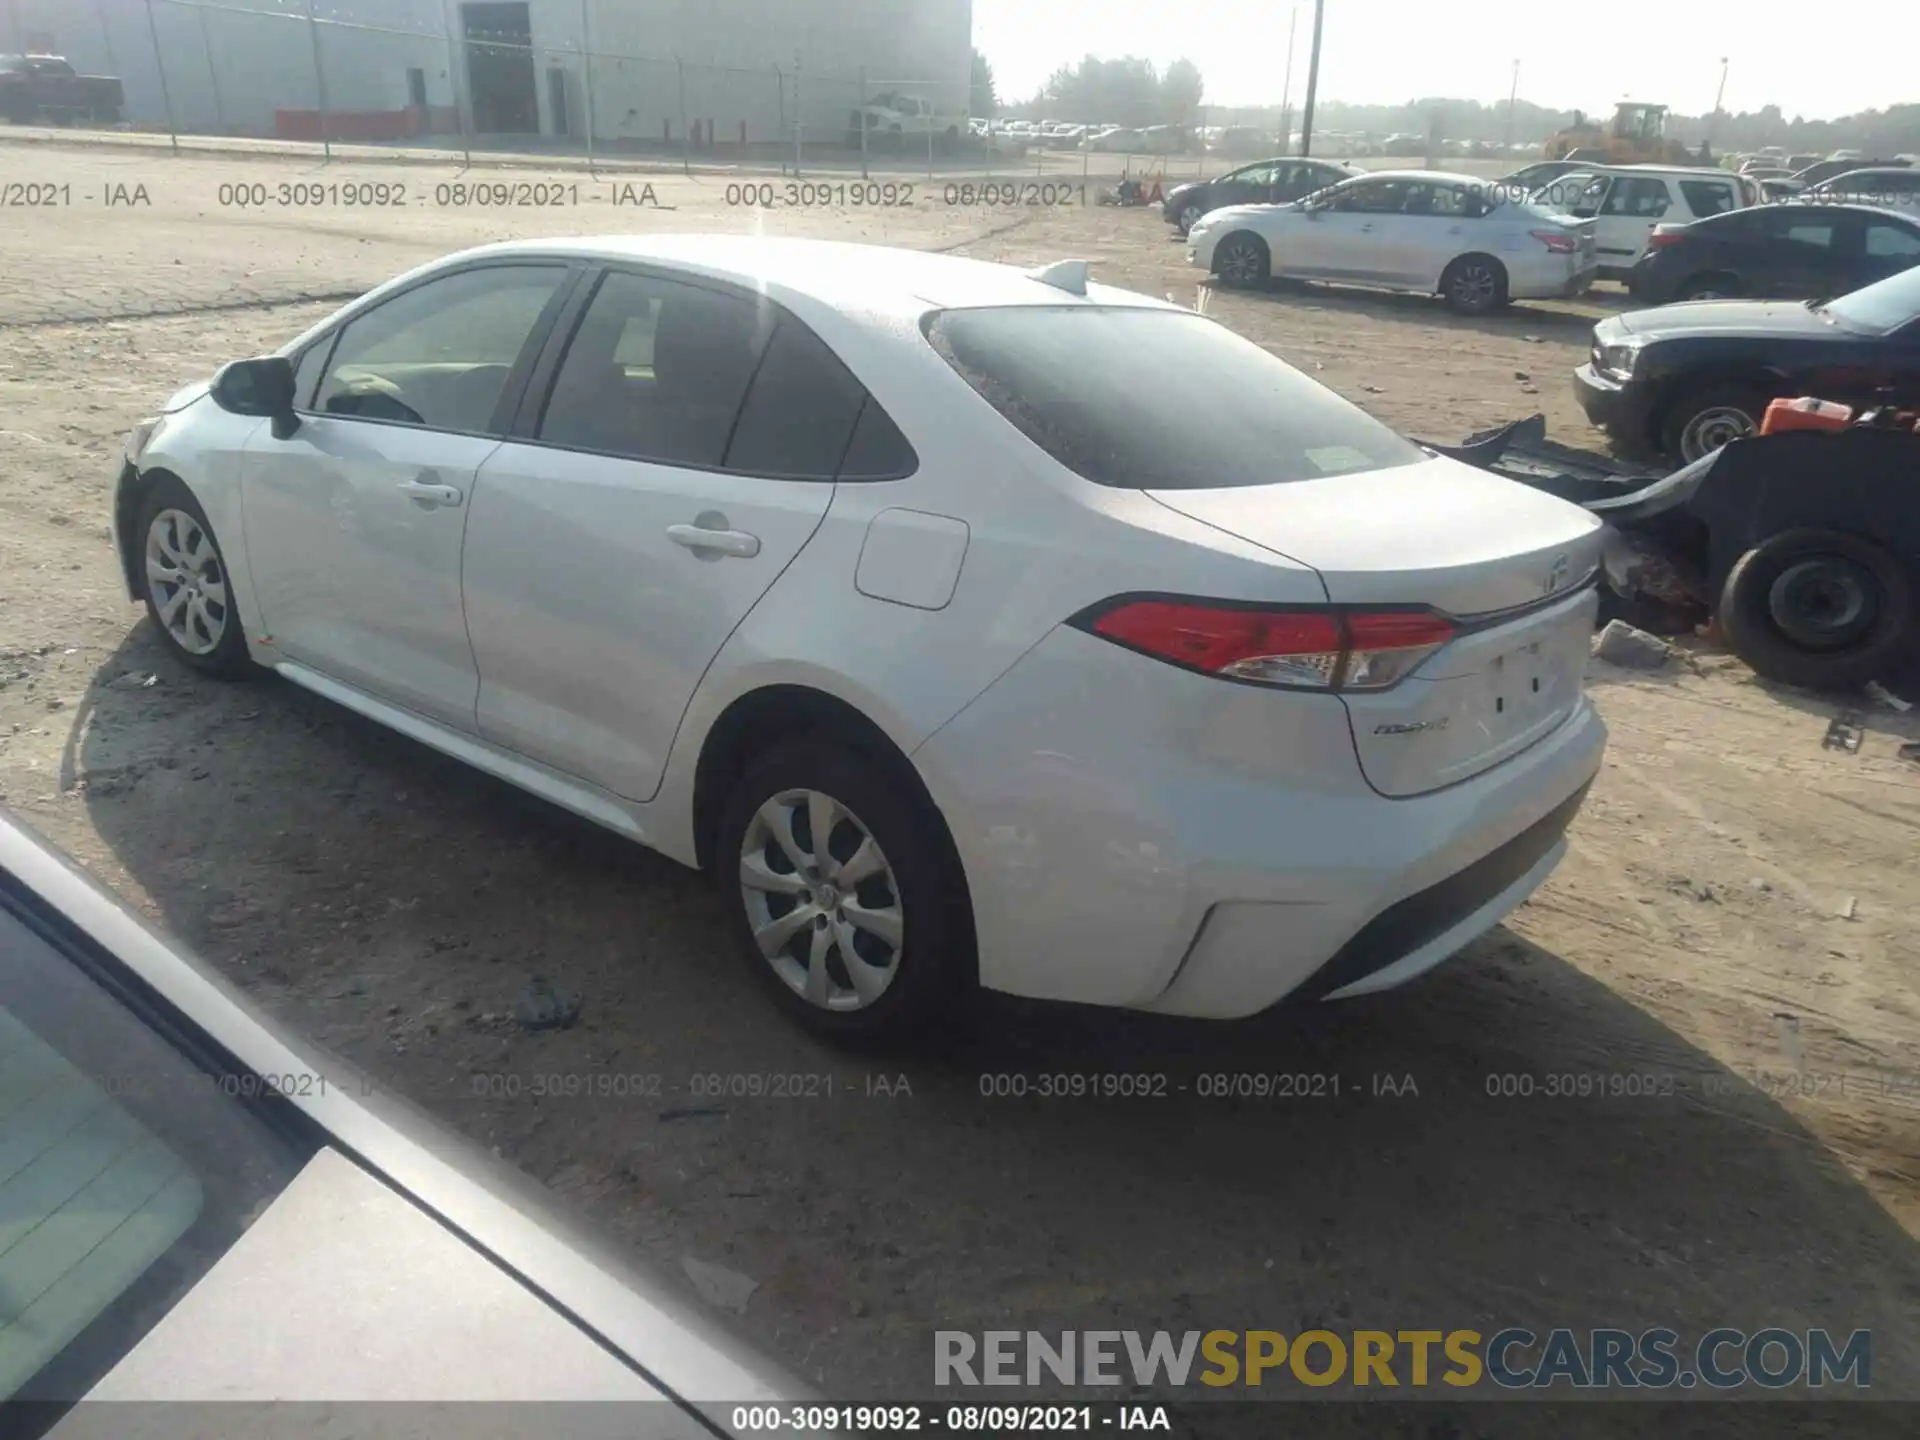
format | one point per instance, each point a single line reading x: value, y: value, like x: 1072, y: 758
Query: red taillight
x: 1323, y: 649
x: 1660, y: 239
x: 1558, y: 241
x: 1385, y: 645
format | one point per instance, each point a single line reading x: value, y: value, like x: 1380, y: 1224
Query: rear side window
x: 878, y: 450
x: 1708, y: 197
x: 1884, y: 241
x: 657, y: 371
x: 1642, y: 197
x: 800, y: 411
x: 1144, y: 399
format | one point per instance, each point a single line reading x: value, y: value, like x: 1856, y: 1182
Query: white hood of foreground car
x: 1438, y: 533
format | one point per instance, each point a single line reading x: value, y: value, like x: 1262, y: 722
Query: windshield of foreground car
x: 1143, y: 399
x: 1879, y: 308
x: 126, y: 1171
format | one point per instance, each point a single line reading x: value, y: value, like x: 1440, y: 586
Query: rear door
x: 1634, y: 204
x: 1810, y: 254
x: 681, y: 455
x: 1438, y: 223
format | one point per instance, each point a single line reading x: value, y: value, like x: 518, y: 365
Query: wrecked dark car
x: 1805, y: 545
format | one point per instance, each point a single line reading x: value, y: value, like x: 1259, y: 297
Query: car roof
x: 1687, y: 171
x: 1434, y: 177
x: 840, y: 274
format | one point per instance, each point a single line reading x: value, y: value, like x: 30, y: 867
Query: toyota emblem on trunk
x: 1557, y: 573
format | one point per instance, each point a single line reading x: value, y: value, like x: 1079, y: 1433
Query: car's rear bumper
x: 1137, y: 835
x: 1551, y: 277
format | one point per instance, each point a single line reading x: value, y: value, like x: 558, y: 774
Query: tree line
x: 1134, y: 91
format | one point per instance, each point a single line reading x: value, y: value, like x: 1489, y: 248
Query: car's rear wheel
x: 184, y: 580
x: 1190, y: 216
x: 1243, y: 262
x: 1820, y: 608
x: 1475, y: 284
x: 841, y: 893
x: 1711, y: 287
x: 1703, y: 420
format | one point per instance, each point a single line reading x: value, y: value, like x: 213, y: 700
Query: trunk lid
x: 1509, y: 563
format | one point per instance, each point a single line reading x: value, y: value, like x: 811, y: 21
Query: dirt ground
x: 1735, y: 923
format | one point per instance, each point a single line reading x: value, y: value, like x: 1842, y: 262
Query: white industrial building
x: 649, y: 71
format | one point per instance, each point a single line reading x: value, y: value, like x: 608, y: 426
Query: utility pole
x: 1313, y: 79
x: 1286, y: 87
x: 1718, y: 96
x: 1513, y: 97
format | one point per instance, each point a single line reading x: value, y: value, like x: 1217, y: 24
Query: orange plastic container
x: 1805, y: 413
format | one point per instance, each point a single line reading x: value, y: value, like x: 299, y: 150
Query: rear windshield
x: 1141, y: 399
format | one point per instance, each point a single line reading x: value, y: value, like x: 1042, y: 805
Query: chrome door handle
x: 700, y: 539
x: 430, y: 494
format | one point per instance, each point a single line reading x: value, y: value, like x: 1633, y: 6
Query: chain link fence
x: 479, y: 79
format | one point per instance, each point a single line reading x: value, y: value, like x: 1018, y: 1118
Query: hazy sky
x: 1387, y: 51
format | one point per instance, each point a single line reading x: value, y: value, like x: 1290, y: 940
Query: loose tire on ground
x: 1819, y: 608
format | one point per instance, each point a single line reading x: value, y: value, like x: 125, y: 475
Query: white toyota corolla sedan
x: 970, y: 626
x: 1477, y: 243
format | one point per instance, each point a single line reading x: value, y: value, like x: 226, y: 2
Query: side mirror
x: 259, y: 387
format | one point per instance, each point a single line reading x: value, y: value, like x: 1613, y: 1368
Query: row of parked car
x: 1833, y: 288
x: 1110, y: 138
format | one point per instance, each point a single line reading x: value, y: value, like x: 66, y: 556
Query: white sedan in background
x: 968, y: 626
x: 1473, y: 241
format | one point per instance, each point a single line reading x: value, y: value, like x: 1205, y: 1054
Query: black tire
x: 934, y: 974
x: 1475, y: 285
x: 1819, y: 608
x: 1700, y: 416
x: 227, y: 657
x: 1193, y: 209
x: 1710, y: 287
x: 1243, y: 262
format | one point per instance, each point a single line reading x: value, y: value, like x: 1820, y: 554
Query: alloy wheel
x: 187, y: 581
x: 1240, y: 263
x: 822, y: 900
x: 1474, y: 287
x: 1190, y: 216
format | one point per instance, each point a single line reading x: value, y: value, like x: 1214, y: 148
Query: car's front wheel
x: 185, y: 582
x: 1190, y: 216
x: 1700, y: 422
x: 843, y: 895
x: 1243, y: 262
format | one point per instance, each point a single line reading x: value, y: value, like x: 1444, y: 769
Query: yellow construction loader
x: 1636, y: 137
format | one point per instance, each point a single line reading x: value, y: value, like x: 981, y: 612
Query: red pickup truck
x: 35, y: 87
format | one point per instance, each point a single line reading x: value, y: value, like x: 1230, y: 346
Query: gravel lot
x: 1736, y: 919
